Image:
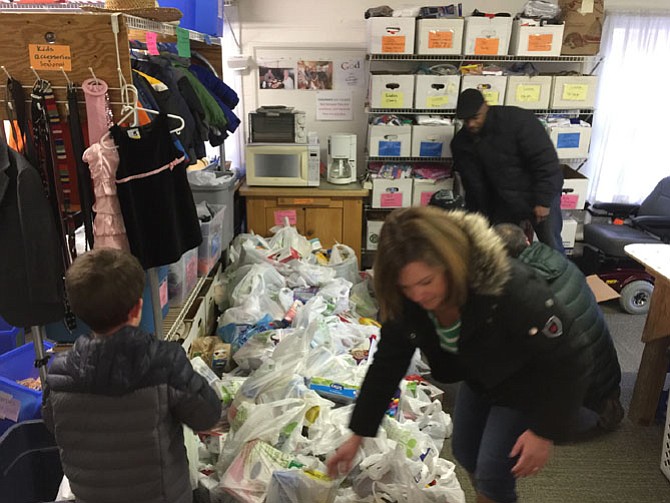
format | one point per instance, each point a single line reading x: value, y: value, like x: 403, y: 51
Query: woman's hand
x: 533, y: 452
x: 340, y: 462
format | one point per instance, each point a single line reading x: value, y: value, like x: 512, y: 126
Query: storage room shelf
x: 451, y: 111
x: 463, y: 57
x: 408, y: 159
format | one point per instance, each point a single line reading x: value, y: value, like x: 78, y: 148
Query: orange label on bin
x: 540, y: 43
x: 393, y: 44
x: 487, y: 46
x: 50, y: 57
x: 440, y: 39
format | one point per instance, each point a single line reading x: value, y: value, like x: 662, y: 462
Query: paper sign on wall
x: 50, y: 57
x: 393, y: 100
x: 575, y: 92
x: 282, y: 215
x: 528, y: 93
x: 437, y: 101
x: 152, y: 43
x: 540, y: 43
x: 183, y: 43
x: 393, y: 44
x: 334, y: 106
x: 487, y: 46
x: 440, y: 39
x: 491, y: 97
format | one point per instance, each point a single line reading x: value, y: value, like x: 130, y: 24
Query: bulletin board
x: 329, y: 84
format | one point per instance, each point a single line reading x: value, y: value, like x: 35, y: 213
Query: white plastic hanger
x: 131, y: 108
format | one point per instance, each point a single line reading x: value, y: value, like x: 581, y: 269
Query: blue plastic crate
x: 187, y: 8
x: 8, y: 334
x: 16, y: 365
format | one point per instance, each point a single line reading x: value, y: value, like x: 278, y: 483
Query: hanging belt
x: 84, y: 183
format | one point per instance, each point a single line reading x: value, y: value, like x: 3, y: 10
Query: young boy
x: 117, y: 400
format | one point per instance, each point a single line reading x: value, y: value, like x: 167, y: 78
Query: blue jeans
x: 549, y: 230
x: 483, y: 437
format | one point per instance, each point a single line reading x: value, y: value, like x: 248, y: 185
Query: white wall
x: 341, y: 23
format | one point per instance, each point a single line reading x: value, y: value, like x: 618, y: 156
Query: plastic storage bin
x: 182, y: 277
x: 16, y: 365
x: 219, y: 194
x: 209, y: 251
x: 8, y: 335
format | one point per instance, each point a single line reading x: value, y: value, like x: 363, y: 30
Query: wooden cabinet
x: 332, y: 213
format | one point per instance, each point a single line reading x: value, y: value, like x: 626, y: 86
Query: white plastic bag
x: 300, y: 486
x: 287, y: 237
x: 345, y: 263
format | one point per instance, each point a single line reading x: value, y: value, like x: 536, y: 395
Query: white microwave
x: 283, y: 164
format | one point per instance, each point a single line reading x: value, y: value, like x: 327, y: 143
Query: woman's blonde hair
x: 424, y: 234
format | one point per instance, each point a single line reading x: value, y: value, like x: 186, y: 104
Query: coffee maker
x: 341, y: 158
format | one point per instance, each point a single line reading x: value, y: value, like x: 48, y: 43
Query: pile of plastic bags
x: 301, y: 330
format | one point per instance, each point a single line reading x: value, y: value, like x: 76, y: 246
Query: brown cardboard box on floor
x: 600, y: 289
x: 583, y: 26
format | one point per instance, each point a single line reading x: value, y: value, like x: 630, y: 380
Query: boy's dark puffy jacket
x: 116, y: 405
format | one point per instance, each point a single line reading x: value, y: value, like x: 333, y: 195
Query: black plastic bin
x: 30, y: 467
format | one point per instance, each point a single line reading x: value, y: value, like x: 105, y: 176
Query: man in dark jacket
x: 587, y: 333
x: 508, y: 166
x: 117, y: 400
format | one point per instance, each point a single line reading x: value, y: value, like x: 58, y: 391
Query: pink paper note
x: 282, y: 214
x: 152, y: 46
x: 425, y: 198
x: 163, y: 291
x: 569, y: 201
x: 391, y: 200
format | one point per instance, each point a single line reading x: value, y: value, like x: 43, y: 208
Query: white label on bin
x: 9, y: 407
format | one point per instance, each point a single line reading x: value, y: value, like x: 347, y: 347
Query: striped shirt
x: 448, y: 336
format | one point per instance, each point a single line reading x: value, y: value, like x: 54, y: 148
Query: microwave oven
x: 283, y: 164
x: 277, y: 124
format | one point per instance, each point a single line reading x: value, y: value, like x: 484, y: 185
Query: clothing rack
x: 92, y: 40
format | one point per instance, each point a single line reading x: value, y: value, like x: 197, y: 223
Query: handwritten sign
x: 281, y: 215
x: 50, y: 57
x: 487, y: 46
x: 528, y: 93
x: 569, y: 201
x: 395, y: 44
x: 393, y: 99
x: 491, y: 97
x: 183, y: 43
x: 437, y: 101
x: 440, y: 39
x: 391, y: 200
x: 152, y: 43
x: 575, y: 92
x: 540, y: 43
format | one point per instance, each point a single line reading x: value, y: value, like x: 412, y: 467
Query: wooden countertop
x: 325, y: 189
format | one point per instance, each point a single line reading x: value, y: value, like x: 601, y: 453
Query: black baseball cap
x: 469, y: 103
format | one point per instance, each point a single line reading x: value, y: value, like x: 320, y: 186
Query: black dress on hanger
x: 156, y: 200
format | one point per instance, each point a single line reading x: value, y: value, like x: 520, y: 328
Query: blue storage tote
x: 16, y: 365
x: 8, y: 334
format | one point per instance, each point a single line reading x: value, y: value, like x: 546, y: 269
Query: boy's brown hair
x: 103, y: 285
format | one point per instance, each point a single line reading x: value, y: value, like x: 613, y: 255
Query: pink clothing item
x: 98, y: 113
x: 108, y: 228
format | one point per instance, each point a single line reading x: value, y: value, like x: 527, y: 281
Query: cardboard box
x: 391, y: 193
x: 374, y: 227
x: 436, y: 91
x: 571, y: 142
x: 391, y: 91
x: 389, y: 141
x: 529, y: 92
x: 568, y: 232
x: 423, y: 190
x: 536, y: 40
x: 432, y: 141
x: 487, y: 36
x: 575, y: 186
x: 583, y: 26
x: 601, y: 290
x: 491, y: 86
x: 439, y: 36
x: 574, y: 92
x: 390, y: 35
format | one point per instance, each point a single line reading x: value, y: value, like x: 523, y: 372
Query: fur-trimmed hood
x: 489, y: 263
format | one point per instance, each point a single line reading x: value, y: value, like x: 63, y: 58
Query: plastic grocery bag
x: 287, y: 237
x: 361, y: 297
x: 345, y: 263
x: 248, y: 476
x: 300, y: 486
x: 444, y: 486
x: 303, y: 274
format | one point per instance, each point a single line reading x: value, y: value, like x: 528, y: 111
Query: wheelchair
x: 604, y: 253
